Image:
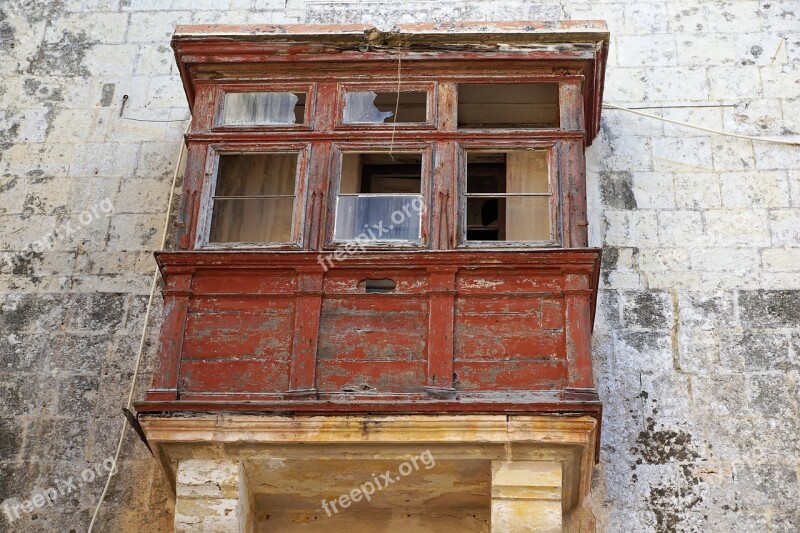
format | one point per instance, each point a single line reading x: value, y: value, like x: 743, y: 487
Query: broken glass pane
x: 263, y: 109
x: 379, y: 107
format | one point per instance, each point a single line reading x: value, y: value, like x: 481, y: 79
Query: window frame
x: 431, y: 112
x: 338, y: 149
x: 310, y: 88
x: 554, y: 182
x: 499, y: 80
x: 206, y: 210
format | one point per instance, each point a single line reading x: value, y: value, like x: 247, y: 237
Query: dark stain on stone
x: 62, y: 58
x: 609, y: 262
x: 610, y: 258
x: 10, y: 439
x: 616, y: 189
x: 36, y: 12
x: 8, y: 137
x: 107, y: 95
x: 647, y: 310
x: 147, y: 235
x: 770, y: 309
x: 24, y: 266
x: 7, y: 36
x: 668, y: 501
x: 663, y: 446
x: 34, y: 87
x: 33, y: 205
x: 37, y: 176
x: 8, y: 184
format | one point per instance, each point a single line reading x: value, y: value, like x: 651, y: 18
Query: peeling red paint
x: 465, y: 329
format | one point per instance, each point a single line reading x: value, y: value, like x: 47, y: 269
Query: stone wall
x: 697, y: 345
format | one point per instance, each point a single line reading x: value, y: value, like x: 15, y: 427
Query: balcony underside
x: 474, y: 473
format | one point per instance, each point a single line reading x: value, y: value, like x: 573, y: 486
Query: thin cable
x: 154, y: 120
x: 143, y: 338
x: 396, y: 103
x: 708, y: 130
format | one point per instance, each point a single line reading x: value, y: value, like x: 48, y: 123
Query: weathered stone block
x: 785, y: 226
x: 761, y: 189
x: 767, y: 486
x: 726, y: 227
x: 707, y: 311
x: 769, y: 309
x: 649, y: 310
x: 757, y: 352
x: 697, y: 190
x: 642, y: 351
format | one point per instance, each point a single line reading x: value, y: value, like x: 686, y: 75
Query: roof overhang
x: 207, y: 52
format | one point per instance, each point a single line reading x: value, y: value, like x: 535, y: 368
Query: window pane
x: 375, y: 217
x: 379, y: 197
x: 398, y: 173
x: 379, y: 107
x: 508, y: 172
x: 500, y: 105
x: 254, y: 198
x: 252, y: 220
x: 516, y: 218
x: 256, y: 174
x: 263, y: 109
x: 497, y: 206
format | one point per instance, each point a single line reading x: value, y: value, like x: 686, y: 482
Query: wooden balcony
x: 460, y: 332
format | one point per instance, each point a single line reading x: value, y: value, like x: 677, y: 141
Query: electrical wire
x: 707, y: 130
x: 143, y: 338
x: 396, y: 103
x: 154, y: 284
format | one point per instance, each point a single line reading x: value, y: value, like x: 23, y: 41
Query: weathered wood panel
x: 278, y: 323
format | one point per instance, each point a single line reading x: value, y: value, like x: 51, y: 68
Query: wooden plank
x: 440, y: 329
x: 234, y: 376
x: 371, y: 376
x: 306, y: 331
x: 170, y: 348
x: 536, y: 345
x: 579, y: 336
x: 544, y: 374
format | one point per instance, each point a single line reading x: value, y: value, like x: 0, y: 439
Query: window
x: 443, y: 164
x: 381, y: 105
x: 508, y: 105
x: 507, y: 196
x: 263, y: 108
x: 368, y: 107
x: 253, y: 200
x: 380, y: 197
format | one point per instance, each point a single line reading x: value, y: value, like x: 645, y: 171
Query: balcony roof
x: 214, y: 51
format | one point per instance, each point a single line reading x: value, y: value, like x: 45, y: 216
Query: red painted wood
x: 500, y: 321
x: 465, y: 329
x: 578, y: 298
x: 306, y: 329
x: 440, y: 328
x: 176, y: 304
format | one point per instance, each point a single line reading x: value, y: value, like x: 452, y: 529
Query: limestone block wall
x: 697, y: 345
